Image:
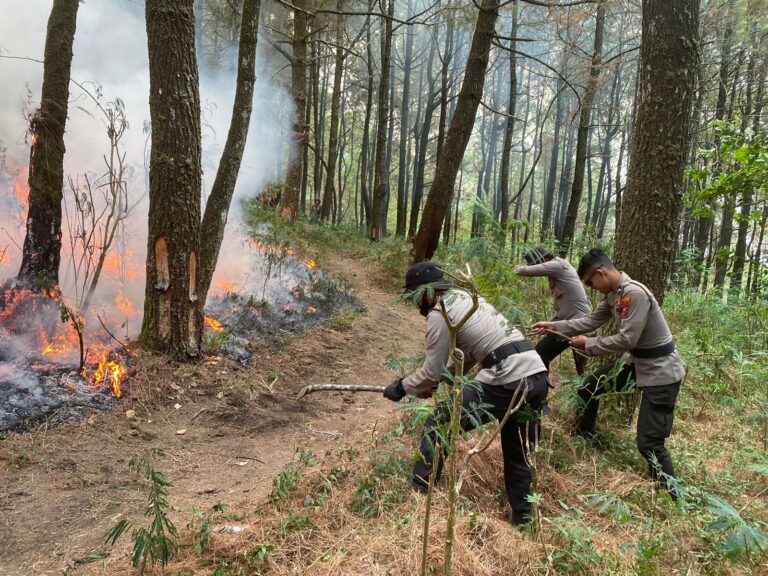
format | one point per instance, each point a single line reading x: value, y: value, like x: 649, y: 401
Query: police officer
x: 569, y: 296
x: 651, y: 359
x: 507, y: 361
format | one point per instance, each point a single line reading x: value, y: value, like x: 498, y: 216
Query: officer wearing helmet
x: 569, y: 296
x: 506, y: 360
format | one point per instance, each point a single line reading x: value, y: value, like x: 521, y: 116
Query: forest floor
x: 225, y: 431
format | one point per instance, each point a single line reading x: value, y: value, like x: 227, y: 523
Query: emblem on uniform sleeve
x: 623, y: 306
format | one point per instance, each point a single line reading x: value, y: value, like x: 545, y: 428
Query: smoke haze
x: 110, y: 59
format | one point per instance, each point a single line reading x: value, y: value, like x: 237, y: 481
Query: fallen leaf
x: 177, y: 406
x: 181, y: 432
x: 175, y: 386
x: 130, y: 414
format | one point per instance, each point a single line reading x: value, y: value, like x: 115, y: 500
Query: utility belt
x: 507, y: 349
x: 655, y: 352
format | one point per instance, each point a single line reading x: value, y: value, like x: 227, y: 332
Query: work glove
x: 395, y: 391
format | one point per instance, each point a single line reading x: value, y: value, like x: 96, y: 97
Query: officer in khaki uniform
x: 569, y: 296
x: 650, y: 359
x: 507, y: 361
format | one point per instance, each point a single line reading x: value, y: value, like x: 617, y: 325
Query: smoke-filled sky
x: 111, y: 49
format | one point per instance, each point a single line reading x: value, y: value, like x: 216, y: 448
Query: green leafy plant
x: 743, y: 539
x: 256, y: 557
x: 200, y: 526
x: 157, y: 543
x: 287, y: 479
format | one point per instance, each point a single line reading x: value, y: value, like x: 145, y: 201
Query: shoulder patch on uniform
x: 623, y: 306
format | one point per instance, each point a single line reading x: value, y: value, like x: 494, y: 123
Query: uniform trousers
x: 550, y: 347
x: 480, y: 403
x: 654, y: 422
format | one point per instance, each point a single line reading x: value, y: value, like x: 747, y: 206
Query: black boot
x: 519, y: 517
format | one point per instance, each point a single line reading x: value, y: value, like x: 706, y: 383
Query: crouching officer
x: 651, y: 359
x: 507, y: 361
x: 568, y: 294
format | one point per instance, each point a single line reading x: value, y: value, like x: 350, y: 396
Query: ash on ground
x: 307, y: 298
x: 32, y: 394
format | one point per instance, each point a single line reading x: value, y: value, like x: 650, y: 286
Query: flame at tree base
x: 107, y: 372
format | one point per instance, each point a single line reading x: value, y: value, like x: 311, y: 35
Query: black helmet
x: 537, y: 255
x: 426, y: 273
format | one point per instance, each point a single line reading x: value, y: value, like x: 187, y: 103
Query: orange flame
x: 311, y: 309
x: 125, y: 305
x: 109, y: 371
x: 225, y: 286
x: 115, y: 264
x: 311, y: 264
x: 213, y: 324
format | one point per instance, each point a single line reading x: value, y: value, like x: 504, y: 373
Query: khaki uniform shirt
x: 485, y: 331
x: 567, y: 290
x: 641, y: 325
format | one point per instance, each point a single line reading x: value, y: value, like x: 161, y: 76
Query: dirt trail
x: 62, y: 489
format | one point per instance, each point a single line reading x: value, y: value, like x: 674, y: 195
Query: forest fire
x: 49, y: 364
x: 311, y: 264
x: 224, y: 286
x: 107, y: 372
x: 213, y: 324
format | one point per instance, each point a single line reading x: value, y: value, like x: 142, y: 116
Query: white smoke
x: 110, y: 51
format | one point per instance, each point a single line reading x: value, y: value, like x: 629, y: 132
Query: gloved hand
x: 395, y: 391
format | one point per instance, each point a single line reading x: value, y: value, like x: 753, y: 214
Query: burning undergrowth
x: 51, y: 367
x: 297, y: 297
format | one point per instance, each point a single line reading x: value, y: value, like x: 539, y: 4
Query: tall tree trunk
x: 41, y: 254
x: 388, y: 157
x: 380, y: 175
x: 459, y: 133
x: 707, y: 219
x: 668, y: 57
x: 305, y: 148
x: 217, y: 207
x: 506, y: 151
x: 585, y: 118
x: 173, y: 303
x: 365, y: 198
x: 549, y: 192
x: 329, y: 191
x: 565, y: 182
x: 404, y: 108
x: 619, y: 189
x: 602, y: 201
x: 421, y: 146
x: 290, y: 203
x: 445, y: 86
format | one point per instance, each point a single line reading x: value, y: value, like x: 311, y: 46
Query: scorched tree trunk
x: 172, y: 310
x: 42, y: 244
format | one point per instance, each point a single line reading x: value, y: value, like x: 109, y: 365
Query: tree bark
x: 333, y: 137
x: 381, y: 175
x: 506, y: 150
x: 404, y: 108
x: 585, y: 119
x: 173, y: 304
x: 422, y: 142
x: 291, y: 194
x: 668, y: 61
x: 549, y: 191
x: 459, y: 133
x: 41, y: 254
x: 217, y: 206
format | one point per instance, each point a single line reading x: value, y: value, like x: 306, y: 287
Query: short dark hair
x: 592, y: 260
